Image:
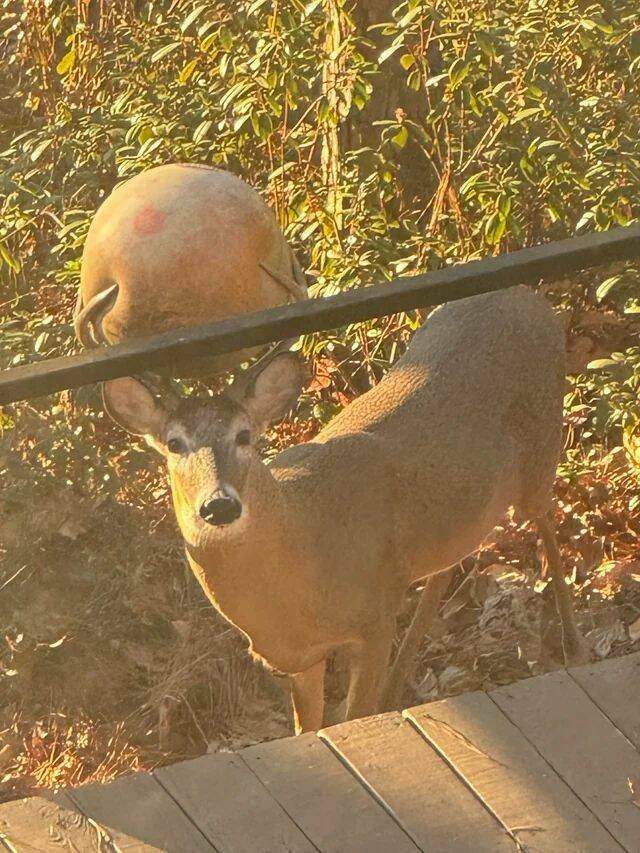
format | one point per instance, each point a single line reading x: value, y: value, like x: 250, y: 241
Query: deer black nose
x: 220, y: 509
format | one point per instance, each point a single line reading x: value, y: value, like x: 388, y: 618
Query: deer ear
x: 271, y: 393
x: 131, y: 405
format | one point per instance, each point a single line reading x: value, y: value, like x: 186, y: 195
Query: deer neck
x: 251, y: 570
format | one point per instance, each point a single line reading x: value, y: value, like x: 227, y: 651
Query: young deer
x: 315, y: 551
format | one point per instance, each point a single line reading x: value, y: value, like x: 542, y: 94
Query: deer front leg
x: 369, y: 661
x: 307, y: 695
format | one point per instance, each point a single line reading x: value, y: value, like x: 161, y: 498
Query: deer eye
x: 243, y: 438
x: 176, y: 445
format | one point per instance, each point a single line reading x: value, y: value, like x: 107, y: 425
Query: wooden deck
x: 549, y: 764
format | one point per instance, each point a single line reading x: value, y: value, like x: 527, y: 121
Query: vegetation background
x: 389, y: 138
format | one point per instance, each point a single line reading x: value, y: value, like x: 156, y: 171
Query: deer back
x: 181, y: 245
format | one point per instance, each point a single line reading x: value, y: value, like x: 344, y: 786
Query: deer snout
x: 220, y: 508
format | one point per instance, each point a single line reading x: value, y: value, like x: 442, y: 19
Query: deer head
x: 209, y: 442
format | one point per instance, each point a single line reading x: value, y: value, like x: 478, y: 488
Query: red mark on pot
x: 148, y: 221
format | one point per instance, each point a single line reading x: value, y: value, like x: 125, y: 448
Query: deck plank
x: 231, y: 807
x: 582, y: 746
x: 507, y: 773
x: 52, y: 823
x: 432, y: 804
x: 324, y: 799
x: 614, y: 685
x: 140, y: 816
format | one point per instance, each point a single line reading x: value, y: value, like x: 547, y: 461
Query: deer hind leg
x: 368, y: 663
x: 307, y: 696
x: 574, y: 646
x: 405, y: 661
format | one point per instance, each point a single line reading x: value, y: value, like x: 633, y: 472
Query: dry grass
x: 112, y: 659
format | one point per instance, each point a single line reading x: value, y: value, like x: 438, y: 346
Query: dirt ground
x: 113, y: 660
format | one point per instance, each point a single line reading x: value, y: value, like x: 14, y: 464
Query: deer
x: 314, y: 552
x: 181, y: 245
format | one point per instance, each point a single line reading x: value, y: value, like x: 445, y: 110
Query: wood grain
x: 430, y: 801
x: 324, y: 799
x: 231, y: 807
x: 614, y: 685
x: 39, y: 825
x: 141, y: 816
x: 581, y: 744
x: 510, y: 776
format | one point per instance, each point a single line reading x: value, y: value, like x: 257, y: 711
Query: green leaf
x: 226, y: 39
x: 494, y: 228
x: 389, y: 51
x: 67, y: 62
x: 549, y: 143
x: 253, y: 8
x: 607, y: 285
x: 458, y: 71
x: 474, y: 103
x: 504, y: 205
x: 165, y: 50
x: 192, y: 16
x: 527, y: 169
x: 149, y: 147
x: 187, y: 71
x: 585, y: 219
x: 411, y: 14
x: 145, y: 133
x: 470, y: 183
x: 407, y: 60
x: 413, y: 80
x: 526, y: 113
x: 597, y: 23
x: 433, y: 81
x: 600, y: 363
x: 485, y: 44
x: 202, y: 130
x: 401, y: 137
x: 9, y: 259
x: 209, y: 40
x: 40, y: 149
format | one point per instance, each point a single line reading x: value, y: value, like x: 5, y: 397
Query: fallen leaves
x: 634, y: 630
x: 603, y: 639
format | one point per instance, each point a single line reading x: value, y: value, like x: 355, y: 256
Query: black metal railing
x: 526, y: 266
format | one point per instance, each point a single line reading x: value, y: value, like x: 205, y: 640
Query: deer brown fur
x: 180, y: 245
x: 315, y: 551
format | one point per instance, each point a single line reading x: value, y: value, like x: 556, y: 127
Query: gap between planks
x: 510, y: 775
x: 411, y: 780
x: 324, y: 738
x: 584, y: 748
x: 613, y: 685
x: 476, y: 793
x: 140, y: 816
x: 329, y: 802
x: 224, y: 830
